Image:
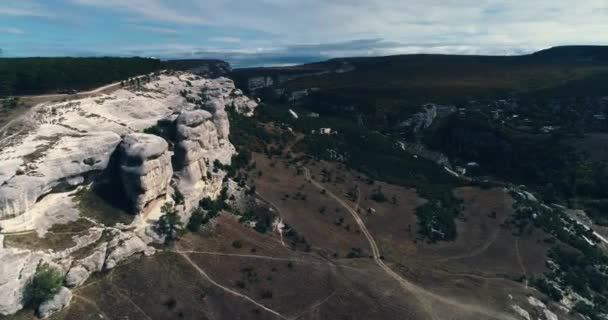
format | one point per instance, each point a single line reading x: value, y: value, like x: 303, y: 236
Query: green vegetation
x: 237, y: 244
x: 577, y: 265
x: 381, y: 159
x: 8, y: 104
x: 385, y: 90
x: 261, y: 217
x: 24, y: 76
x: 247, y: 134
x: 178, y: 197
x: 45, y: 284
x: 545, y: 163
x: 198, y: 218
x: 169, y: 223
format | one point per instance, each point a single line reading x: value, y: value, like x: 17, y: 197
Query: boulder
x: 145, y: 168
x: 76, y: 276
x: 238, y: 197
x: 94, y: 262
x: 124, y: 246
x: 57, y: 303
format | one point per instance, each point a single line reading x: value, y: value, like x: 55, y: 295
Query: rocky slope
x: 71, y: 145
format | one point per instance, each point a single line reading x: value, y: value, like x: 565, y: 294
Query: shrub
x: 197, y: 219
x: 378, y: 196
x: 237, y: 244
x: 169, y: 223
x: 45, y: 284
x: 178, y: 197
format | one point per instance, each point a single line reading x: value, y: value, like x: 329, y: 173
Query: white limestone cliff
x: 69, y: 145
x: 145, y: 168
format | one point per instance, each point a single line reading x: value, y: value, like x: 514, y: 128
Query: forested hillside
x: 24, y: 76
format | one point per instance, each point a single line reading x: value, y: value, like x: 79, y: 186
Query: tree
x: 169, y: 223
x: 45, y: 284
x: 197, y: 219
x: 178, y: 197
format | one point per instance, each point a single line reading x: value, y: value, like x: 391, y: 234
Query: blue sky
x: 288, y: 31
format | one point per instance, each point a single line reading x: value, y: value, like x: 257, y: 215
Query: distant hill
x: 423, y: 77
x: 593, y: 54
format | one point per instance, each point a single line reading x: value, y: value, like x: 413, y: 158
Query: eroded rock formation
x: 58, y: 160
x: 69, y: 144
x: 145, y: 168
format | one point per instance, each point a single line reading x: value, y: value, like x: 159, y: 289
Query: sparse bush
x: 178, y: 197
x: 237, y: 244
x: 46, y: 283
x: 197, y: 219
x: 169, y: 223
x: 378, y: 196
x: 266, y: 294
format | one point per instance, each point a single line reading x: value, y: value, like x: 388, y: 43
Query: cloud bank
x: 321, y: 28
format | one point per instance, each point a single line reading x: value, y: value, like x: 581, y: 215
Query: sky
x: 272, y: 32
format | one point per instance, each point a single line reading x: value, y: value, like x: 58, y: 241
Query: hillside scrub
x: 45, y: 284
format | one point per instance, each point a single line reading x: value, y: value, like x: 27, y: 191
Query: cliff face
x: 70, y: 145
x: 145, y: 168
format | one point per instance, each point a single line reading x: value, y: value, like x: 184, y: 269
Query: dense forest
x: 24, y: 76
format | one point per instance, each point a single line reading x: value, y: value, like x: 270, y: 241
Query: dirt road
x: 423, y: 296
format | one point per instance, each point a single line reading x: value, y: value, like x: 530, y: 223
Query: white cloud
x: 225, y: 39
x: 10, y: 30
x: 155, y: 10
x: 161, y: 30
x: 23, y: 8
x: 480, y: 25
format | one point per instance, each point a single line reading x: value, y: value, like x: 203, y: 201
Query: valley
x: 322, y: 191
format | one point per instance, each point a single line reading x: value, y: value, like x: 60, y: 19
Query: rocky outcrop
x: 208, y: 68
x: 76, y: 276
x: 70, y: 143
x: 95, y: 261
x: 55, y: 162
x: 420, y: 150
x: 241, y: 103
x: 17, y: 268
x: 257, y: 83
x: 421, y: 120
x: 199, y: 144
x: 124, y: 246
x: 58, y: 302
x: 239, y: 197
x: 145, y: 168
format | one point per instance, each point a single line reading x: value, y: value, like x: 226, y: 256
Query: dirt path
x: 424, y: 297
x: 475, y: 252
x: 315, y: 306
x: 520, y: 261
x: 92, y: 304
x: 235, y: 293
x: 375, y: 251
x: 75, y: 95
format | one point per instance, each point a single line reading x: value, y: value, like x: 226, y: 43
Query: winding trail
x: 372, y: 243
x: 315, y: 306
x: 93, y: 304
x: 423, y: 296
x: 228, y: 290
x: 477, y: 251
x: 520, y: 261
